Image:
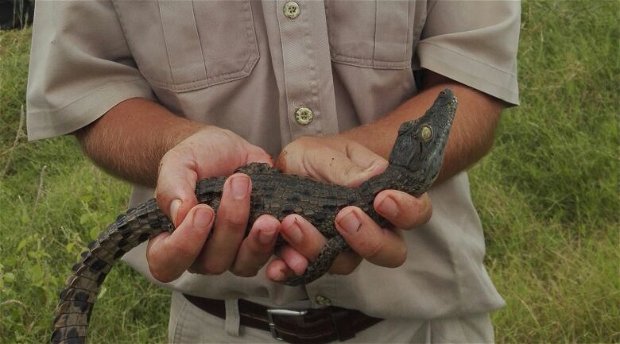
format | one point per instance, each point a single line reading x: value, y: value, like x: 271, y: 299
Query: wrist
x: 131, y: 138
x: 179, y: 130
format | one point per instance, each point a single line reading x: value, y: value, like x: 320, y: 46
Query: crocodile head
x: 421, y: 142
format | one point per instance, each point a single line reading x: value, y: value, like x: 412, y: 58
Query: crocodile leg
x: 323, y: 262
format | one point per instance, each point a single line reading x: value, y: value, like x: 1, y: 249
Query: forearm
x: 131, y: 138
x: 472, y: 132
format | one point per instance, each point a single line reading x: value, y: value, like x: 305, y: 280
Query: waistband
x: 294, y: 326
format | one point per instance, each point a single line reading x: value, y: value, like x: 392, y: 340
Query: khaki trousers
x: 189, y: 324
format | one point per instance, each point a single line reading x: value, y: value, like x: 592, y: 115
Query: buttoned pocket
x: 188, y: 45
x: 374, y: 33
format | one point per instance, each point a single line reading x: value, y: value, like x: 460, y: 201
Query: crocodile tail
x: 80, y: 293
x: 76, y: 303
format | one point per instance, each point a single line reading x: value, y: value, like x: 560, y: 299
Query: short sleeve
x: 80, y: 67
x: 474, y: 43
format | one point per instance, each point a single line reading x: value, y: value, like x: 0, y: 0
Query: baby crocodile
x: 414, y: 164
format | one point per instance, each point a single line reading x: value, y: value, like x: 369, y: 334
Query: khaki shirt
x: 249, y: 66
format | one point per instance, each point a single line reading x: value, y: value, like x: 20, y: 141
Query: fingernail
x: 265, y: 236
x: 202, y: 218
x: 293, y: 232
x: 240, y: 187
x: 388, y: 207
x: 174, y: 209
x: 350, y: 222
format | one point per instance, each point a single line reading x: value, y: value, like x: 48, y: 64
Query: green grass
x: 52, y: 203
x: 547, y: 194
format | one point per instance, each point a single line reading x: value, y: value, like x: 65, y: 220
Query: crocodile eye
x: 426, y: 132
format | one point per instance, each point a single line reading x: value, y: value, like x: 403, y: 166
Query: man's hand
x: 136, y: 135
x: 341, y: 161
x: 209, y: 152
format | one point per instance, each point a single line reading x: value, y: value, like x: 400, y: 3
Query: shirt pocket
x: 188, y: 45
x: 374, y: 33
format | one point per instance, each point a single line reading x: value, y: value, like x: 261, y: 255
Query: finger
x: 170, y: 254
x: 333, y: 160
x: 290, y: 263
x: 342, y: 170
x: 277, y: 270
x: 257, y: 248
x: 306, y: 242
x: 349, y: 165
x: 176, y: 184
x: 377, y: 245
x: 294, y: 260
x: 371, y: 162
x: 302, y: 236
x: 403, y: 210
x: 230, y: 227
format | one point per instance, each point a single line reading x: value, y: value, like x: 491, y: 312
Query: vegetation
x: 547, y: 194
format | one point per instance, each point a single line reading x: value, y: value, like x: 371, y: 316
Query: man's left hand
x: 338, y: 160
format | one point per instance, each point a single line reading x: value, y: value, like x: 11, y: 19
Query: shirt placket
x: 308, y: 82
x: 308, y: 85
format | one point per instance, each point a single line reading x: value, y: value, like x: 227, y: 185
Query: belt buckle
x: 281, y: 312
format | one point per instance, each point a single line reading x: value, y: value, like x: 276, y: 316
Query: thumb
x: 345, y: 171
x: 170, y: 254
x: 356, y: 165
x: 338, y: 161
x: 176, y: 183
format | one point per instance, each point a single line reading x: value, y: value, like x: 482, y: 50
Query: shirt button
x: 322, y: 300
x: 291, y: 10
x: 303, y: 115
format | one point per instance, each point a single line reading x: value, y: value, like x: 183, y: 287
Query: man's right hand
x: 209, y: 152
x: 136, y: 135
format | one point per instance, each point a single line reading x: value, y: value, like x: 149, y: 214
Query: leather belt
x: 307, y: 326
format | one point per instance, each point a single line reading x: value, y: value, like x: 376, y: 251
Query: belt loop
x: 232, y: 319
